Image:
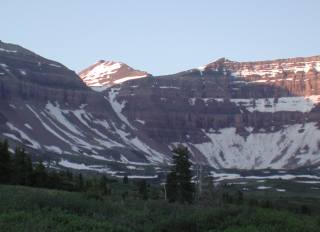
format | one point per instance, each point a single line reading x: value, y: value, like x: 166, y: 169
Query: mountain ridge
x: 224, y: 119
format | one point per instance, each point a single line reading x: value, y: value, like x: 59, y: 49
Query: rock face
x: 297, y: 75
x: 225, y: 116
x: 48, y: 109
x: 266, y: 69
x: 21, y: 65
x: 250, y: 115
x: 108, y: 73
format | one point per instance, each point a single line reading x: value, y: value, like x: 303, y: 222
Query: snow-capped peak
x: 104, y: 74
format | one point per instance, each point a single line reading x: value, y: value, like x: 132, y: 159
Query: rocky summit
x: 107, y: 73
x: 245, y: 115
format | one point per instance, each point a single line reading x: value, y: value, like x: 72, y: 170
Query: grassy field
x: 35, y: 209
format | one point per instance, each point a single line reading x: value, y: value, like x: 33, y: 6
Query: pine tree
x: 125, y: 179
x: 5, y: 163
x: 80, y: 182
x: 209, y: 189
x: 17, y: 163
x: 143, y: 189
x: 179, y: 185
x: 40, y: 175
x: 29, y: 170
x: 55, y: 180
x: 22, y: 167
x: 104, y: 185
x: 171, y: 186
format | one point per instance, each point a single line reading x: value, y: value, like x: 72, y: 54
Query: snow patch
x: 11, y: 136
x: 280, y: 190
x: 54, y: 149
x: 58, y: 114
x: 230, y: 150
x: 271, y: 105
x: 128, y: 78
x: 99, y: 88
x: 118, y: 107
x: 263, y: 187
x: 34, y: 144
x: 22, y: 72
x: 140, y: 121
x: 8, y: 51
x: 169, y: 87
x: 55, y: 65
x: 28, y: 126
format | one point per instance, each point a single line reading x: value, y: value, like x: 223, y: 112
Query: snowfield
x: 270, y: 105
x: 230, y: 150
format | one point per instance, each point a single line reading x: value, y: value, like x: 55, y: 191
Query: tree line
x: 17, y: 169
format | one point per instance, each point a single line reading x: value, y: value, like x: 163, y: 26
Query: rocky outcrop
x: 299, y: 76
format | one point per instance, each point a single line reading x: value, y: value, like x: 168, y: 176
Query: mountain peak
x: 107, y: 73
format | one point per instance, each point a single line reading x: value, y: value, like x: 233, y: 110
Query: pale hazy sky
x: 164, y: 36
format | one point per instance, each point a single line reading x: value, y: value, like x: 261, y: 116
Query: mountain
x: 225, y: 118
x: 21, y: 65
x: 244, y: 115
x: 107, y: 73
x: 49, y: 110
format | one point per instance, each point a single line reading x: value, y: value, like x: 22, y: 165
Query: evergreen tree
x: 179, y: 185
x: 55, y: 180
x: 29, y: 170
x: 5, y: 162
x: 209, y: 191
x: 40, y: 175
x: 171, y: 186
x: 104, y: 185
x: 80, y: 182
x: 66, y: 180
x: 143, y: 189
x: 22, y: 167
x: 240, y: 197
x: 125, y: 179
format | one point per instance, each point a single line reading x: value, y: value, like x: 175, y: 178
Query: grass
x: 33, y: 209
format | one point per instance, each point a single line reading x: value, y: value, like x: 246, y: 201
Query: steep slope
x: 48, y: 109
x: 22, y: 65
x: 107, y: 73
x: 227, y: 119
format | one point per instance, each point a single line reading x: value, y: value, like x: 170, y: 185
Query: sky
x: 162, y: 37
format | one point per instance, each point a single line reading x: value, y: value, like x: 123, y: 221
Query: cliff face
x: 229, y: 109
x: 299, y: 76
x: 229, y: 114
